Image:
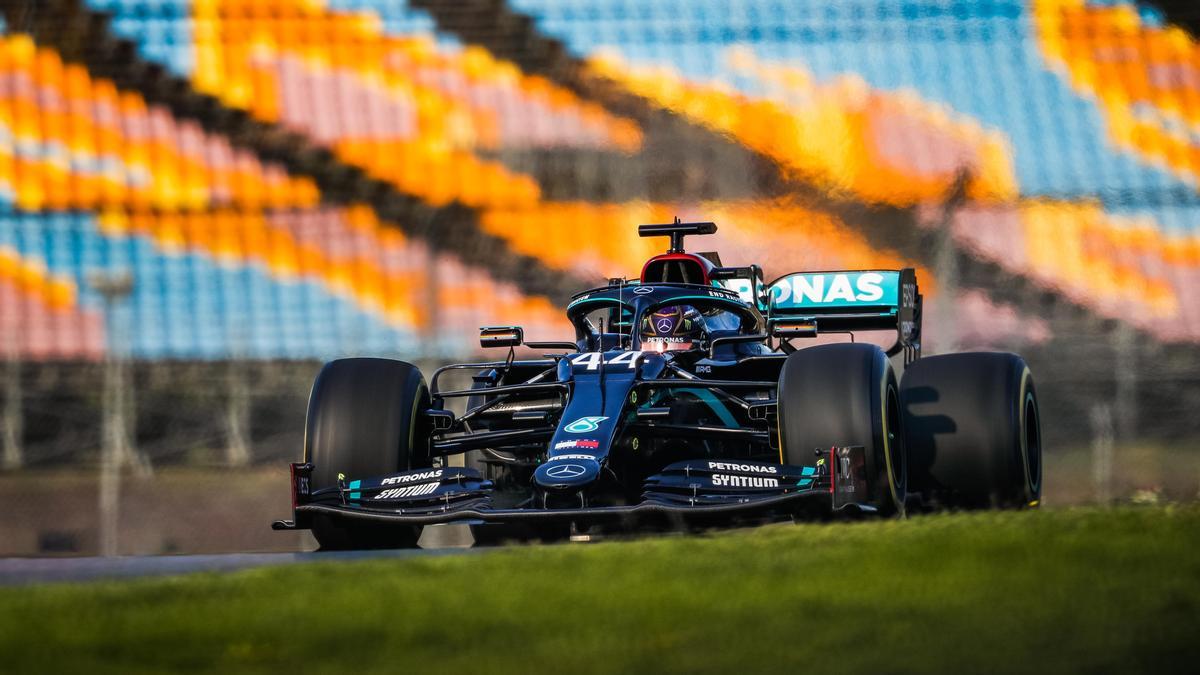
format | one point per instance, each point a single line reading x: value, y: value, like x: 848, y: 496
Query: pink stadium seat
x: 36, y: 331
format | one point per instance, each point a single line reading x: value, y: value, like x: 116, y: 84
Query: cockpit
x: 660, y: 317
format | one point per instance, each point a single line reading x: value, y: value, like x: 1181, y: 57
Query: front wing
x: 693, y: 491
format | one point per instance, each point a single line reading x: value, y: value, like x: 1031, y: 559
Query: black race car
x: 686, y: 399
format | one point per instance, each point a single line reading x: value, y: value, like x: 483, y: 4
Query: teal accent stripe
x: 808, y: 470
x: 607, y: 301
x: 804, y: 482
x: 355, y: 484
x: 713, y: 402
x: 355, y: 495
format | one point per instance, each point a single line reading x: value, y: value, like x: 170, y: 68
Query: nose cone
x: 566, y: 472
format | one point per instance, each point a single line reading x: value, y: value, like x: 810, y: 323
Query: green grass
x: 1081, y: 590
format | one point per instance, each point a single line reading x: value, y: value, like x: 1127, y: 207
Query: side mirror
x: 501, y: 336
x: 792, y: 328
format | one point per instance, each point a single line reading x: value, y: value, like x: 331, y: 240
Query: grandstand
x: 293, y: 180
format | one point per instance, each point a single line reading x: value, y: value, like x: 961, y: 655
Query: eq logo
x: 583, y: 425
x: 566, y: 471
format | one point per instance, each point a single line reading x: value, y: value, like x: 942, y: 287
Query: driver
x: 671, y: 329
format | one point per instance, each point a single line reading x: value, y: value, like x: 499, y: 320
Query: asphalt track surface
x: 20, y: 571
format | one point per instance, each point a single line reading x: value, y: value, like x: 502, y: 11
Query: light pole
x: 237, y: 450
x: 1125, y: 366
x: 114, y: 286
x: 237, y: 398
x: 13, y: 457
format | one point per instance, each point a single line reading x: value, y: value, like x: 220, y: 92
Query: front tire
x: 973, y: 430
x: 363, y: 421
x: 841, y: 395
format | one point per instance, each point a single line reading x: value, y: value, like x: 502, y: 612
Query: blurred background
x: 202, y: 200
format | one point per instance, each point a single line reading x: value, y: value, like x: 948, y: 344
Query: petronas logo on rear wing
x: 841, y: 301
x: 823, y: 290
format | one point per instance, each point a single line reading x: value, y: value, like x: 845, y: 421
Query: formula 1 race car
x: 685, y: 400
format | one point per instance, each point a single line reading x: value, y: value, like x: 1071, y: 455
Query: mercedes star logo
x: 664, y: 325
x: 642, y: 290
x: 565, y: 471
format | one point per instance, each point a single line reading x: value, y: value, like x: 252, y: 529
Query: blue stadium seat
x: 163, y: 29
x: 190, y: 306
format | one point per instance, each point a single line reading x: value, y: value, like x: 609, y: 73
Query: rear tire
x: 363, y: 419
x: 840, y: 395
x: 973, y: 430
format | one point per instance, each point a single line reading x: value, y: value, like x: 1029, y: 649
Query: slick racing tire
x: 843, y: 395
x: 973, y: 430
x: 363, y: 417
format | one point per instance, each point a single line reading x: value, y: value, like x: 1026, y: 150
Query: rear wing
x: 839, y: 302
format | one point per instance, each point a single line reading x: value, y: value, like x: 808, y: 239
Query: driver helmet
x: 671, y: 329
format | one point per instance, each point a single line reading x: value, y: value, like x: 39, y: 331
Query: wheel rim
x: 1033, y: 448
x: 897, y: 468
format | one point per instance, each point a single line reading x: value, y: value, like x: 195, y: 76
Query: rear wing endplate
x: 849, y: 301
